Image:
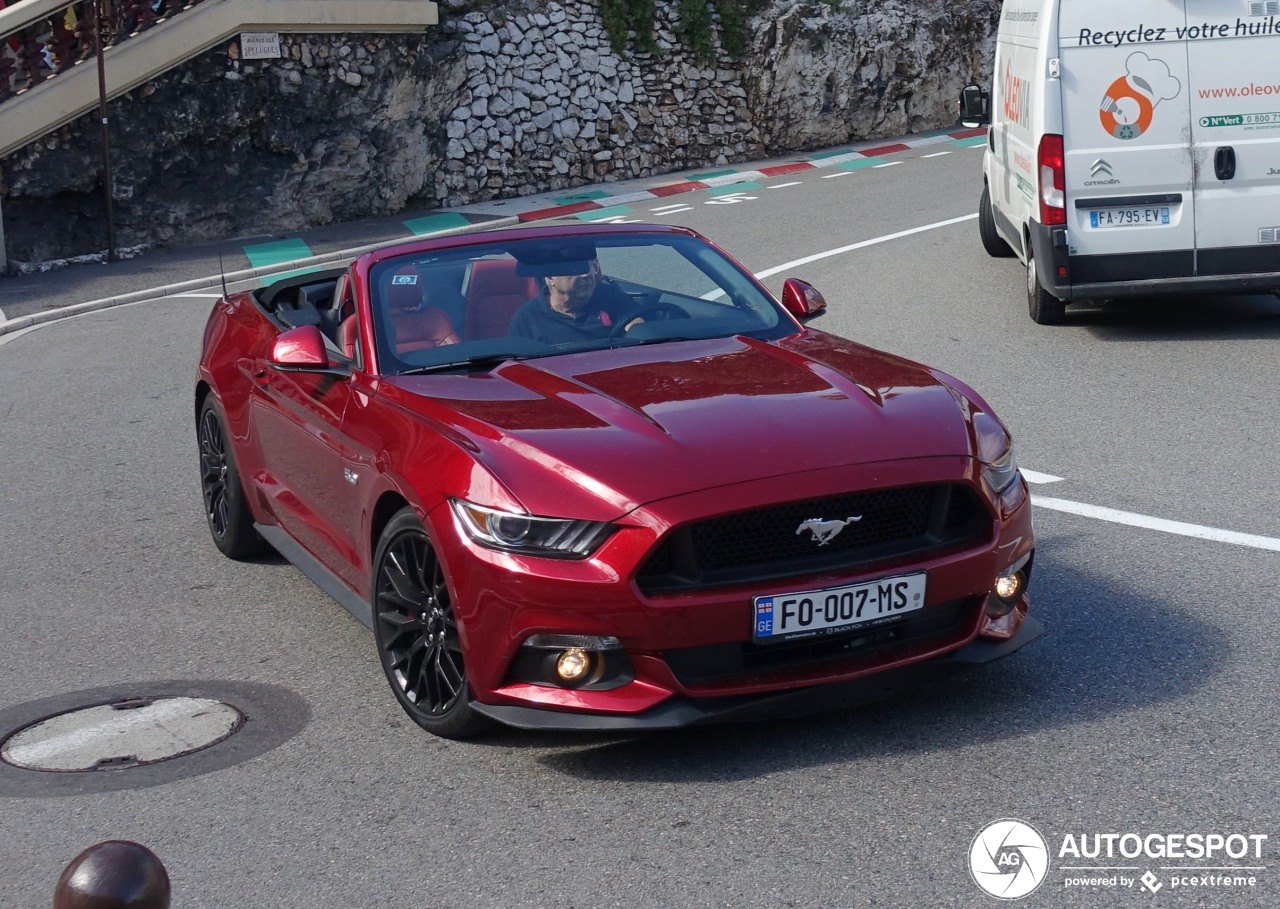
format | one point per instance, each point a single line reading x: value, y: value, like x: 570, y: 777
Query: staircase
x: 161, y: 45
x: 49, y: 74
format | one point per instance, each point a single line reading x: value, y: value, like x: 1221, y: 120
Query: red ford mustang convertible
x: 597, y: 477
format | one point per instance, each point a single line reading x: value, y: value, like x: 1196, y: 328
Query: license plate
x: 1154, y: 216
x: 811, y: 613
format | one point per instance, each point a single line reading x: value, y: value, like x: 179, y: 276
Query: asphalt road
x: 1148, y: 708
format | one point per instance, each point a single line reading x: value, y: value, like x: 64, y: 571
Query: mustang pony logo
x: 825, y: 531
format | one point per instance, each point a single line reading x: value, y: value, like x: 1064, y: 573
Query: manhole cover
x: 126, y: 733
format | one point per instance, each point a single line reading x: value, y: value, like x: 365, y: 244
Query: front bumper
x: 1153, y: 273
x: 678, y: 712
x: 691, y: 651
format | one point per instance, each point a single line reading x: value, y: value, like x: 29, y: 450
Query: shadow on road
x: 1181, y: 318
x: 1107, y: 649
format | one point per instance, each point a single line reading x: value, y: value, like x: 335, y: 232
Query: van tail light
x: 1053, y: 180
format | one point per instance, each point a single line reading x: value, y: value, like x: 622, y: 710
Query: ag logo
x: 1008, y: 859
x: 1130, y: 103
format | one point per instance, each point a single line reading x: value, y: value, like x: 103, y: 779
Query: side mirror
x: 974, y: 107
x: 300, y: 348
x: 802, y: 299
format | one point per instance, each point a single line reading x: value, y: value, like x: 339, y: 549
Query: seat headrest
x: 496, y: 277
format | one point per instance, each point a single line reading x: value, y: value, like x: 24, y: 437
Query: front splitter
x: 679, y: 712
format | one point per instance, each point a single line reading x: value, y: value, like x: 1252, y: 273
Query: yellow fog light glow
x: 573, y: 664
x: 1008, y: 585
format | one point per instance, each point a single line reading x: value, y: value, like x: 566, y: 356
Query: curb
x: 624, y: 196
x: 823, y: 159
x: 231, y: 277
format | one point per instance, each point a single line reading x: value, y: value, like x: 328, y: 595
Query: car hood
x: 597, y: 434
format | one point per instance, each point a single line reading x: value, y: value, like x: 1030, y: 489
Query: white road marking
x: 1115, y: 516
x: 839, y: 173
x: 1147, y: 522
x: 1033, y: 476
x: 886, y: 164
x: 785, y: 266
x: 935, y: 155
x: 670, y: 209
x: 781, y: 185
x: 731, y: 199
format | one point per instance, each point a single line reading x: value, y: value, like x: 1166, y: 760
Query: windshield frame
x: 720, y: 298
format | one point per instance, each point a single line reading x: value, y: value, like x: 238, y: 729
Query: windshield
x: 477, y: 306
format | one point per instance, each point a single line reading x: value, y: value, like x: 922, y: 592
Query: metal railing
x: 40, y: 39
x: 44, y: 42
x: 46, y: 80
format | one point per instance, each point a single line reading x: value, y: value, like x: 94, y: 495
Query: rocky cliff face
x: 504, y: 98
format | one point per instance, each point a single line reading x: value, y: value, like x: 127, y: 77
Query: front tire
x: 416, y: 632
x: 225, y: 505
x: 1043, y: 307
x: 992, y: 242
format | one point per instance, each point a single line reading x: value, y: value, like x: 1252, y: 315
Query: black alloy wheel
x: 417, y: 633
x: 225, y: 508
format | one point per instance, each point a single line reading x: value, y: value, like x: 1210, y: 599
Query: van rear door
x: 1234, y: 52
x: 1126, y: 113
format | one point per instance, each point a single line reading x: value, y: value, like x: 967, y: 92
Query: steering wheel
x: 624, y: 323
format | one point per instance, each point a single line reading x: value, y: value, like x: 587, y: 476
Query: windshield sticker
x: 1130, y: 102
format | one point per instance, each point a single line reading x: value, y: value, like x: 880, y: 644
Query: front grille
x: 770, y: 542
x: 700, y: 666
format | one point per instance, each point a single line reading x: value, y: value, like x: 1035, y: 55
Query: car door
x: 297, y: 416
x: 1129, y: 170
x: 1234, y: 54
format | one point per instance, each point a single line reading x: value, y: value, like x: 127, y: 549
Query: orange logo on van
x: 1130, y: 102
x: 1016, y: 93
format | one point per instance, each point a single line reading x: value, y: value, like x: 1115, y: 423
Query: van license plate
x: 1155, y: 216
x: 788, y: 616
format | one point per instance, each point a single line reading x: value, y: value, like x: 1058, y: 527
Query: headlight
x: 995, y: 451
x: 1003, y: 472
x: 511, y: 532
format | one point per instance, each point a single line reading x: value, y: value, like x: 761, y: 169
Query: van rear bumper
x: 1241, y: 270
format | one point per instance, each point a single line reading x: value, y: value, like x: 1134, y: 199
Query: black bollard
x: 115, y: 874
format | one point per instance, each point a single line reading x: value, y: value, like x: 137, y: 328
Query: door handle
x: 1224, y: 162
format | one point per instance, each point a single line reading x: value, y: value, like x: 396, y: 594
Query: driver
x: 578, y: 305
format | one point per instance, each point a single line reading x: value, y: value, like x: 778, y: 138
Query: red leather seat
x: 347, y: 335
x: 429, y: 326
x: 344, y: 309
x: 494, y: 293
x: 412, y: 324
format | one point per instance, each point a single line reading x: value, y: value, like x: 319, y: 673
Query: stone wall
x: 506, y: 97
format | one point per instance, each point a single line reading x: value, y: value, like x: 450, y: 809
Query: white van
x: 1134, y: 147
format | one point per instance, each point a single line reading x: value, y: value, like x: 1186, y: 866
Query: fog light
x: 1007, y: 590
x: 573, y: 665
x: 1009, y: 585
